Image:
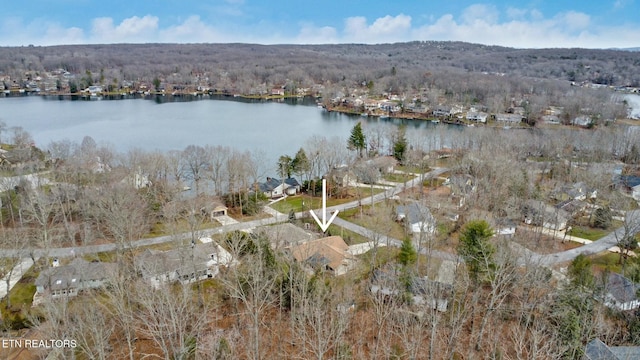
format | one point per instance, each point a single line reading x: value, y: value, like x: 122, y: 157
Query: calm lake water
x: 159, y: 124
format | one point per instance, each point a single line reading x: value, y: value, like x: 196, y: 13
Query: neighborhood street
x: 602, y: 244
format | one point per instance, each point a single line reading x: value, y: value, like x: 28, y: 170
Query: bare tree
x: 252, y: 284
x: 171, y: 318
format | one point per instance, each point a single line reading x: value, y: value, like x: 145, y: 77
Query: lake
x: 167, y: 123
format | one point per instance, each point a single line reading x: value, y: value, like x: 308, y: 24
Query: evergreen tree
x: 408, y: 254
x: 475, y: 248
x: 357, y: 140
x: 285, y: 166
x: 400, y: 143
x: 580, y: 272
x: 300, y: 163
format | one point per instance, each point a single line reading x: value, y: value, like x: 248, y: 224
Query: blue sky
x: 523, y: 24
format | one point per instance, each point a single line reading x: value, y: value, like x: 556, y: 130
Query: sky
x: 519, y: 24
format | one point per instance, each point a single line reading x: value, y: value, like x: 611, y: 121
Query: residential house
x: 69, y: 280
x: 461, y: 184
x: 371, y: 171
x: 186, y: 265
x: 275, y: 188
x: 509, y: 119
x: 342, y: 176
x: 277, y: 91
x: 621, y: 293
x: 216, y: 208
x: 441, y: 110
x: 386, y: 283
x: 583, y: 121
x: 576, y: 191
x: 328, y: 253
x: 572, y: 207
x: 480, y: 117
x: 505, y: 227
x: 539, y: 213
x: 285, y: 235
x: 292, y: 186
x: 434, y: 293
x: 597, y: 350
x: 416, y: 217
x: 389, y: 106
x: 632, y: 184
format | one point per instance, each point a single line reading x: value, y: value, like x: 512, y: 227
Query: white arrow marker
x: 324, y: 224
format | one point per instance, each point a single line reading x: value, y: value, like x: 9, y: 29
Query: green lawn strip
x: 413, y: 169
x: 295, y: 202
x: 607, y: 261
x: 21, y: 296
x: 588, y: 233
x: 399, y: 178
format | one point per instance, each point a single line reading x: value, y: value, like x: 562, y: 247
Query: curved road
x: 277, y: 218
x: 602, y: 244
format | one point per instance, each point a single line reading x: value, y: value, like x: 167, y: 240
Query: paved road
x: 602, y: 244
x: 550, y: 259
x: 276, y: 218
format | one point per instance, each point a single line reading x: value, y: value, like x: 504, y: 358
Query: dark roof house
x: 68, y: 280
x: 597, y: 350
x: 621, y: 293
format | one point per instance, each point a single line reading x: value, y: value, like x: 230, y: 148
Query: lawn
x: 305, y: 202
x: 399, y: 178
x: 607, y: 261
x: 414, y: 169
x: 588, y: 232
x: 21, y: 296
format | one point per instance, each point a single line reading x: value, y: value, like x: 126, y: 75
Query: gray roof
x: 72, y: 275
x: 286, y: 234
x: 182, y: 260
x: 621, y: 288
x: 597, y: 350
x: 414, y: 213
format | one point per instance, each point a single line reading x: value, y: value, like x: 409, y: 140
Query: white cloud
x: 384, y: 29
x: 516, y: 27
x: 133, y: 29
x: 516, y: 14
x: 574, y: 20
x: 479, y: 13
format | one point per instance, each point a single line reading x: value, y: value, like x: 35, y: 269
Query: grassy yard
x: 305, y: 202
x: 588, y: 232
x: 607, y: 261
x: 16, y: 316
x: 399, y: 178
x: 414, y: 169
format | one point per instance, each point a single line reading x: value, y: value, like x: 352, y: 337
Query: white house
x: 417, y: 218
x: 480, y: 117
x: 275, y: 188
